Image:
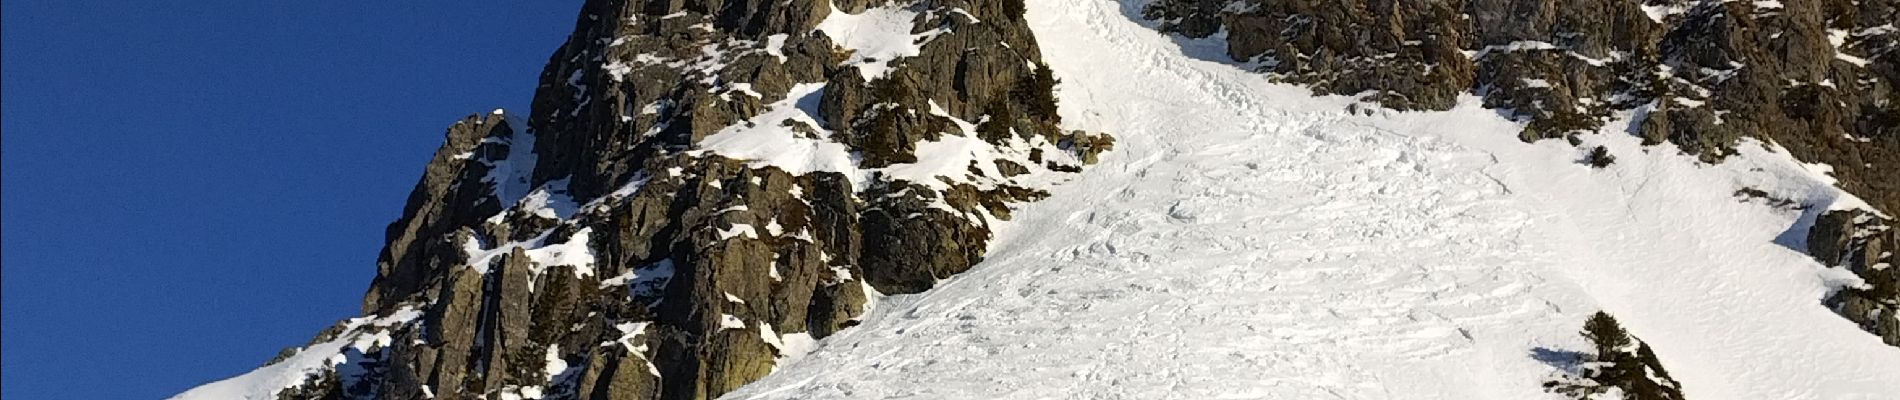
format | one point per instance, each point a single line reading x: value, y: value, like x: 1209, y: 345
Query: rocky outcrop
x: 1817, y: 77
x: 1864, y: 244
x: 1814, y: 76
x: 451, y: 194
x: 1620, y: 367
x: 636, y: 237
x: 1405, y: 54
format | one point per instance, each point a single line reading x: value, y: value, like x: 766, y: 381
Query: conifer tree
x: 1039, y: 92
x: 996, y: 129
x: 1622, y: 368
x: 1599, y: 157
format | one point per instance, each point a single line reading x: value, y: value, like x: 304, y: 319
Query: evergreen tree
x: 877, y: 133
x: 1014, y: 8
x: 1623, y: 367
x: 892, y: 89
x: 996, y: 129
x: 1039, y: 92
x: 1608, y: 336
x: 1599, y: 157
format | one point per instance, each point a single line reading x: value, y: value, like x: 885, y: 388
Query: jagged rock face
x: 1405, y: 52
x: 1864, y: 244
x: 1814, y: 76
x: 630, y: 241
x: 451, y: 194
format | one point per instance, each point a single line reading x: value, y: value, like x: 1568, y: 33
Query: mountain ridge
x: 706, y: 189
x: 610, y: 248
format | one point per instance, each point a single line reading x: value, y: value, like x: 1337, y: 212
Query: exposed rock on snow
x: 736, y: 178
x: 1249, y: 240
x: 714, y: 199
x: 1818, y: 77
x: 1620, y: 367
x: 1863, y: 243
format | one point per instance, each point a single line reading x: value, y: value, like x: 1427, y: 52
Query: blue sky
x: 190, y: 186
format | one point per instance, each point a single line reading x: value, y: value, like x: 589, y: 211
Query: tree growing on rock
x: 996, y: 128
x: 1623, y: 367
x: 879, y: 135
x: 1015, y: 8
x: 1038, y: 91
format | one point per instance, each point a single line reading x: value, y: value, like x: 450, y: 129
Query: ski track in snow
x: 1247, y: 240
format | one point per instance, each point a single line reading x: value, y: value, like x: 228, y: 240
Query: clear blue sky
x: 190, y: 186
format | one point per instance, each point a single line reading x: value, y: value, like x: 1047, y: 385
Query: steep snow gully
x: 1251, y: 240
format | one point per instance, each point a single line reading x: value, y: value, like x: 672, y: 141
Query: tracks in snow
x: 1239, y: 244
x: 1249, y: 240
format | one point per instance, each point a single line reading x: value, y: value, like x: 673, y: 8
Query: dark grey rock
x: 1862, y: 243
x: 1700, y: 79
x: 695, y: 257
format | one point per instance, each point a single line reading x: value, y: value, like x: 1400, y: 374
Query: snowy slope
x: 1249, y: 240
x: 342, y: 351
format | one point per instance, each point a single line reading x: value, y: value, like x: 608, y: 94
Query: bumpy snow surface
x: 1248, y: 240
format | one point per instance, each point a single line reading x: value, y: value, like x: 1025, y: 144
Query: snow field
x: 1248, y: 240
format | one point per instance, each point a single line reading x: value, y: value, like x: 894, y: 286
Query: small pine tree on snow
x: 1622, y: 368
x: 1599, y: 157
x: 1606, y: 334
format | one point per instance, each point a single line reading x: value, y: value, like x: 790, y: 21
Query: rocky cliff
x: 702, y: 188
x: 1817, y: 77
x: 1863, y: 243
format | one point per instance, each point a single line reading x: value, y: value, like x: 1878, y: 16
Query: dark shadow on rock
x: 1796, y: 236
x: 1211, y: 48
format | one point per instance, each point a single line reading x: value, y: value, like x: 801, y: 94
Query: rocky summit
x: 1344, y: 199
x: 605, y: 245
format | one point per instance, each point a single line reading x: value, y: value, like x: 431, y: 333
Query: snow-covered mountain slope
x: 1249, y: 240
x: 698, y: 190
